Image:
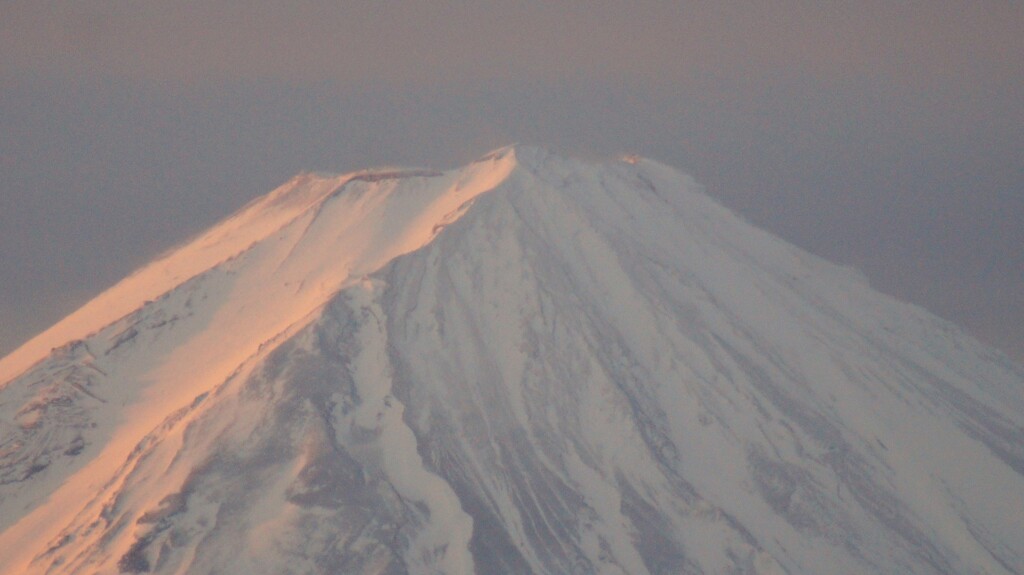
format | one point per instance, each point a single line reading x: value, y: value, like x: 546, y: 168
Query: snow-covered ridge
x: 254, y: 224
x: 531, y: 364
x: 185, y: 323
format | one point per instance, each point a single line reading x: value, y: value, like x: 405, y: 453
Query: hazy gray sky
x: 889, y: 136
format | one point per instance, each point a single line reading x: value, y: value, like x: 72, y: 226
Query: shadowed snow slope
x: 527, y: 365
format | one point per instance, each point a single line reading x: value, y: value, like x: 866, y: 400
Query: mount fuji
x: 531, y: 364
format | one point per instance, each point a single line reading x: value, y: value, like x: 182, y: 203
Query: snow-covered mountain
x: 527, y: 365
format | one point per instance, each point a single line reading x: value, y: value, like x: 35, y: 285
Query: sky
x: 888, y: 136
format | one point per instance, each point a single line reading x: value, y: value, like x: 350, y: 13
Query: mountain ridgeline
x: 530, y: 364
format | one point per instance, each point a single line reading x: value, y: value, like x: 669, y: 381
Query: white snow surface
x: 531, y: 364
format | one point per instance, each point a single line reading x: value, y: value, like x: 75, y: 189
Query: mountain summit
x: 531, y: 364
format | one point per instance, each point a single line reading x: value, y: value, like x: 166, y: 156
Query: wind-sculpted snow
x: 531, y: 365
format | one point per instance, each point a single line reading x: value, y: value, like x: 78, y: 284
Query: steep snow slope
x: 184, y: 324
x: 586, y: 369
